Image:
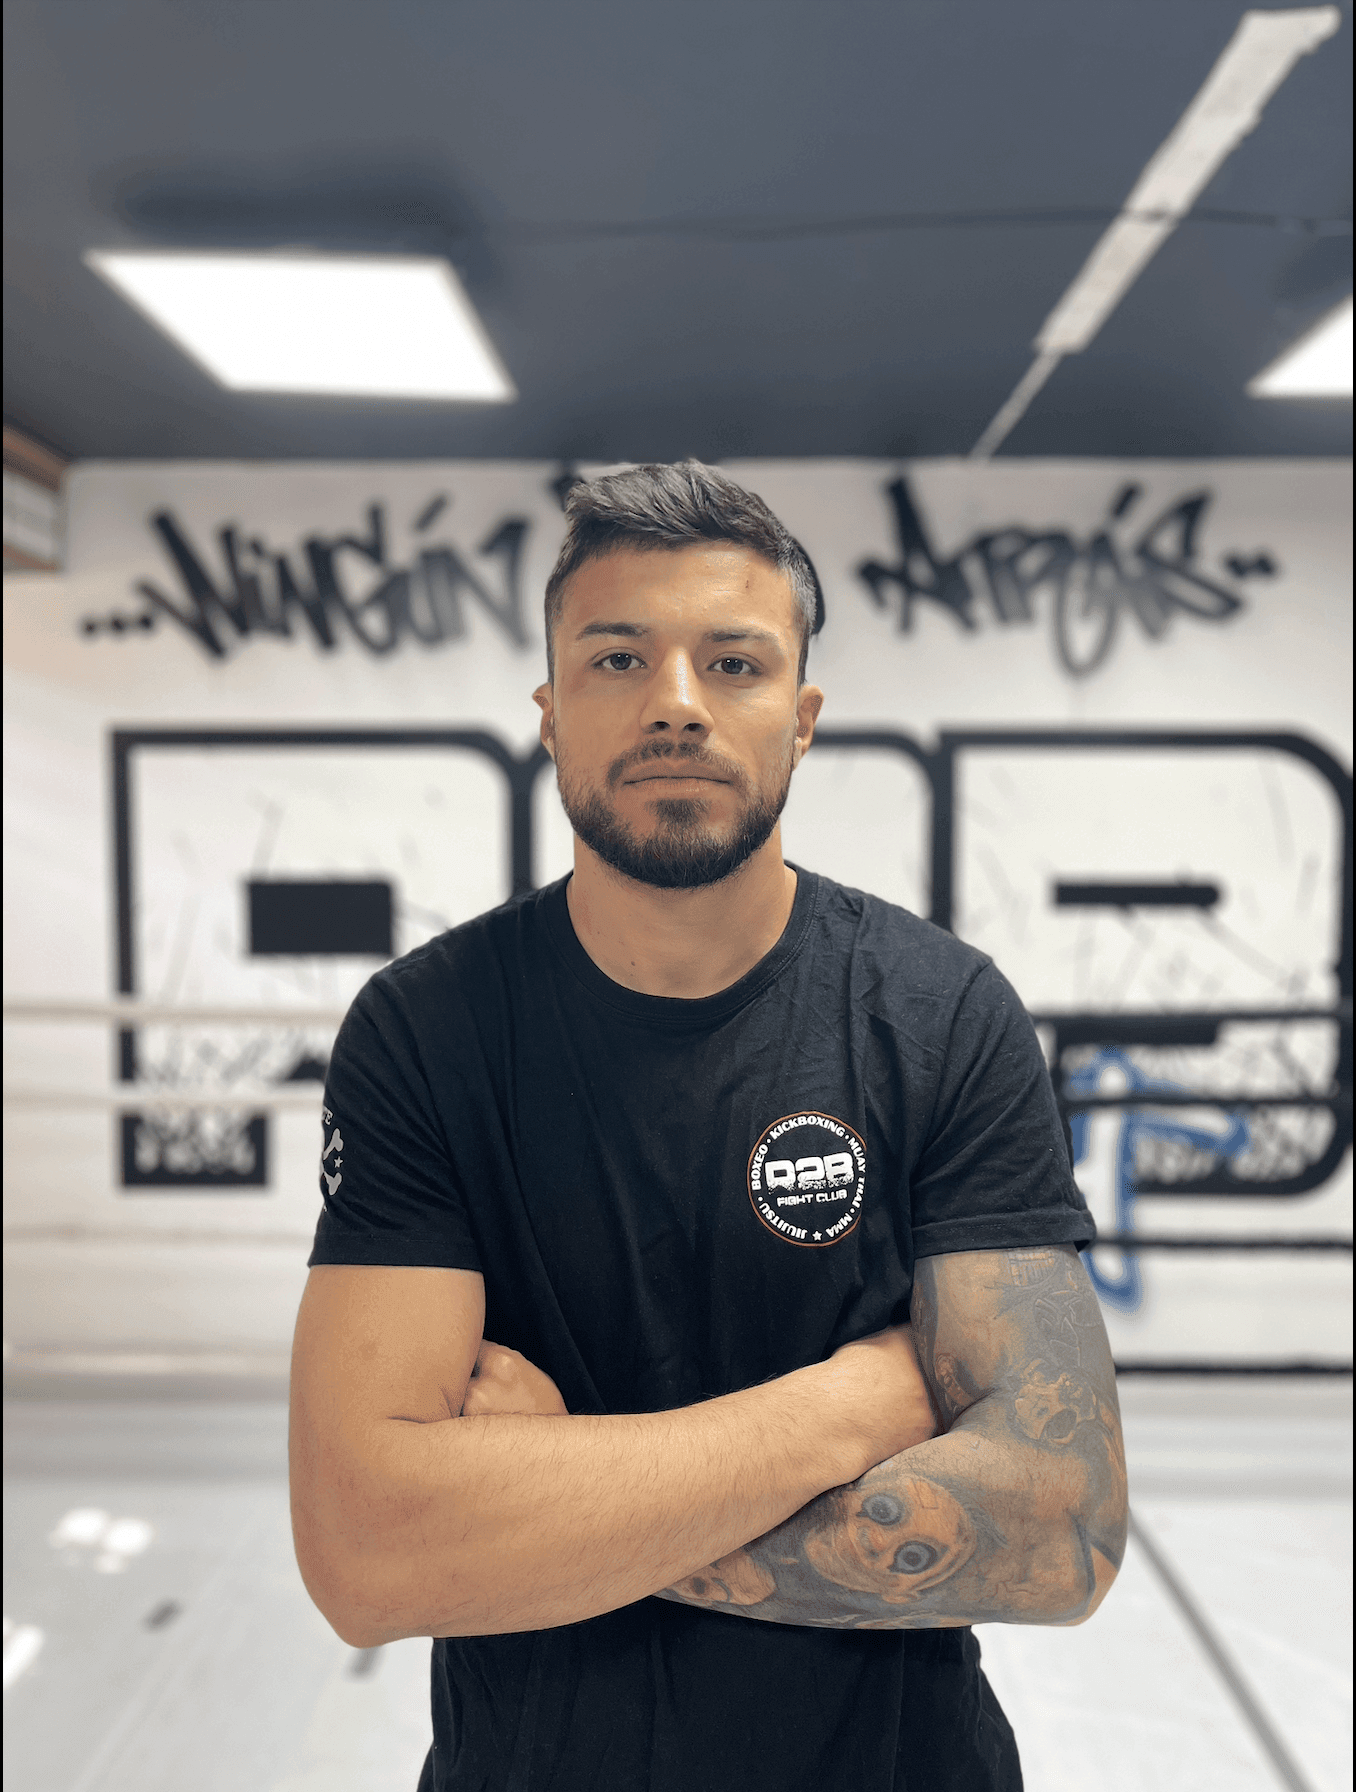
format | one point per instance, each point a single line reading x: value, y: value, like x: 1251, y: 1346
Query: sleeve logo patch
x: 331, y: 1158
x: 807, y: 1178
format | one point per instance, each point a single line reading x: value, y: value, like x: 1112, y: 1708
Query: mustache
x: 691, y: 751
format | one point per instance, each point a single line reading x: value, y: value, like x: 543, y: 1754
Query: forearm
x: 968, y: 1528
x: 1017, y: 1515
x: 475, y: 1526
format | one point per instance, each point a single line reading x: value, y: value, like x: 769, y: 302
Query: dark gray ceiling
x: 747, y: 227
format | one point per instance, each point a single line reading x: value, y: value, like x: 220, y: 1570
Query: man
x: 690, y: 1135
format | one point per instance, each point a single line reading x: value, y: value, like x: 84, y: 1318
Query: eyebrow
x: 764, y: 637
x: 632, y: 631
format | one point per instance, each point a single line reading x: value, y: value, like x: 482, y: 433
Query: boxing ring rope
x: 127, y: 1012
x: 131, y: 1012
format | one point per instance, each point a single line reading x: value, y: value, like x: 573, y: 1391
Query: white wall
x: 96, y: 1266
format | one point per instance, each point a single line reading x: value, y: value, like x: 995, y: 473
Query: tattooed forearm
x: 1016, y: 1515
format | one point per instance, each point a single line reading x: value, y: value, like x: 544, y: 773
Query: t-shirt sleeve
x: 994, y: 1173
x: 388, y: 1186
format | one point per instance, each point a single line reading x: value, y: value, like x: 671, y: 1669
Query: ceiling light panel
x: 1259, y: 56
x: 1317, y: 366
x: 352, y: 326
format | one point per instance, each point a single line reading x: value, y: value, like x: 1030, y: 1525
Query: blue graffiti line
x: 1125, y: 1292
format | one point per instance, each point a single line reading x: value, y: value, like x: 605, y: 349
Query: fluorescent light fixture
x: 1228, y: 105
x: 359, y: 326
x: 1317, y: 366
x: 1257, y: 58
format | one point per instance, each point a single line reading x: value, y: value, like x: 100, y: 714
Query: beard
x: 683, y: 852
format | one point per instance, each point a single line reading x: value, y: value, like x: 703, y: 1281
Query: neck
x: 687, y: 943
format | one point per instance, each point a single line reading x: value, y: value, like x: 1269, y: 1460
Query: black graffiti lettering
x: 1126, y: 499
x: 1016, y: 565
x: 1167, y: 550
x: 1248, y: 566
x: 437, y: 577
x: 564, y: 482
x: 195, y: 621
x: 118, y: 622
x: 506, y: 544
x: 210, y: 613
x: 398, y: 592
x: 919, y: 573
x: 372, y: 618
x: 1087, y: 607
x: 232, y: 606
x: 369, y: 617
x: 262, y: 594
x: 445, y: 577
x: 1160, y: 577
x: 207, y: 608
x: 1090, y: 585
x: 249, y: 591
x: 298, y: 598
x: 371, y: 546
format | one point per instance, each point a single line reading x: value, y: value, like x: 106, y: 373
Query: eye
x: 914, y: 1558
x: 733, y: 666
x: 882, y: 1508
x: 619, y: 661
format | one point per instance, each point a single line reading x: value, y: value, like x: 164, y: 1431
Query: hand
x: 886, y: 1388
x: 503, y: 1381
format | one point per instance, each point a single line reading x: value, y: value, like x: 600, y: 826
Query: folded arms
x: 824, y: 1498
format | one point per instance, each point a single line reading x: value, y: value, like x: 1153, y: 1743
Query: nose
x: 673, y: 700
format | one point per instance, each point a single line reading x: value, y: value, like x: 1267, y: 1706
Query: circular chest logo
x: 807, y: 1178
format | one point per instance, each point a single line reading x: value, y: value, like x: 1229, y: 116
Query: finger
x: 493, y: 1360
x: 487, y: 1400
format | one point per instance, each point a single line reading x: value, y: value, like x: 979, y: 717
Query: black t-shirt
x: 670, y: 1200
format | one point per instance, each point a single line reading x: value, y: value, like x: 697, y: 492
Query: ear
x: 544, y: 698
x: 809, y: 702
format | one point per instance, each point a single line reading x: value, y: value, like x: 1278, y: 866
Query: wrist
x: 839, y: 1422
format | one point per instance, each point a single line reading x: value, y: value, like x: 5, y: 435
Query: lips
x: 676, y: 778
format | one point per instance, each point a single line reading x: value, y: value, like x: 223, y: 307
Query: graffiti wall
x: 273, y: 725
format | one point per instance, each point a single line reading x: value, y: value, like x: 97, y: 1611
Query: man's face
x: 674, y: 715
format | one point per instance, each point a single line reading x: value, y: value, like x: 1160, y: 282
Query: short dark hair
x: 659, y: 506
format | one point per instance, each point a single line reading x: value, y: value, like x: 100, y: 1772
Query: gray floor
x: 157, y: 1636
